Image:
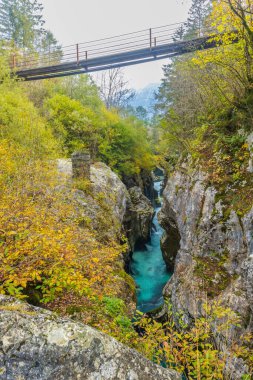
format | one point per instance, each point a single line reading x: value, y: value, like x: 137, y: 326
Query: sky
x: 76, y: 21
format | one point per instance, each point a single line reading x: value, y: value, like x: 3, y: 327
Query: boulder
x: 35, y: 344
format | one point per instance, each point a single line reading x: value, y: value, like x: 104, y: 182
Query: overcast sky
x: 74, y: 21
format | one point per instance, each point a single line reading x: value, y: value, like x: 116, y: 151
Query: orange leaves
x: 41, y: 243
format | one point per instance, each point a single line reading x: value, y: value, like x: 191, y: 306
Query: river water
x: 148, y: 268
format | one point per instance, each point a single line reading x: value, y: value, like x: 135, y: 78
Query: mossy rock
x: 215, y: 278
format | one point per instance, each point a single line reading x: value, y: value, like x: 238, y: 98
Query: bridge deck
x: 125, y: 50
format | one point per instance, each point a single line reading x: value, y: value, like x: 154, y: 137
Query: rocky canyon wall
x: 210, y: 248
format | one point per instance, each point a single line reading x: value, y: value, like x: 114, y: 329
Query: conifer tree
x: 179, y: 33
x: 50, y: 47
x: 195, y: 24
x: 21, y: 22
x: 197, y: 16
x: 8, y: 19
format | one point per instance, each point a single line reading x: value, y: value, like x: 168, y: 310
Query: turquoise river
x: 148, y: 267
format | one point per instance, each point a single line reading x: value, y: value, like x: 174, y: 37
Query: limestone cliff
x: 104, y: 202
x: 127, y: 211
x: 211, y: 250
x: 145, y: 181
x: 138, y: 220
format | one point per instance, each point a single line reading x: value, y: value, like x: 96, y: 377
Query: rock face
x: 106, y: 182
x: 215, y: 250
x: 169, y: 248
x: 170, y: 239
x: 128, y: 211
x: 139, y: 218
x: 132, y: 210
x: 105, y: 190
x: 105, y: 203
x: 144, y: 181
x: 37, y: 345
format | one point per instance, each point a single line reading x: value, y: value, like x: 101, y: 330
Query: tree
x: 8, y: 20
x: 195, y: 24
x: 179, y: 34
x: 163, y: 96
x: 243, y: 11
x: 113, y: 89
x: 81, y: 88
x: 75, y: 126
x: 141, y: 113
x: 21, y: 22
x: 232, y: 20
x: 49, y: 44
x: 120, y: 142
x: 125, y: 145
x: 209, y: 93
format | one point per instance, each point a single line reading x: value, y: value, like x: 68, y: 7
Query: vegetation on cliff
x: 205, y: 104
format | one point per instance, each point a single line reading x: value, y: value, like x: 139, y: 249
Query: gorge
x: 147, y: 265
x: 126, y: 233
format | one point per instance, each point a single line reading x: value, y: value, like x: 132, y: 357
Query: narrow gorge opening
x: 147, y: 265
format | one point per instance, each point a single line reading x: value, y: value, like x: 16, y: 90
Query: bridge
x: 107, y: 53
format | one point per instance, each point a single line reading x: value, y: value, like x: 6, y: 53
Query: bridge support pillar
x: 81, y: 162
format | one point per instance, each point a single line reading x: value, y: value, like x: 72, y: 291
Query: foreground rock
x: 37, y: 345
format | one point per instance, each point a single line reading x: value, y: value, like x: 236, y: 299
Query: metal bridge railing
x: 143, y: 39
